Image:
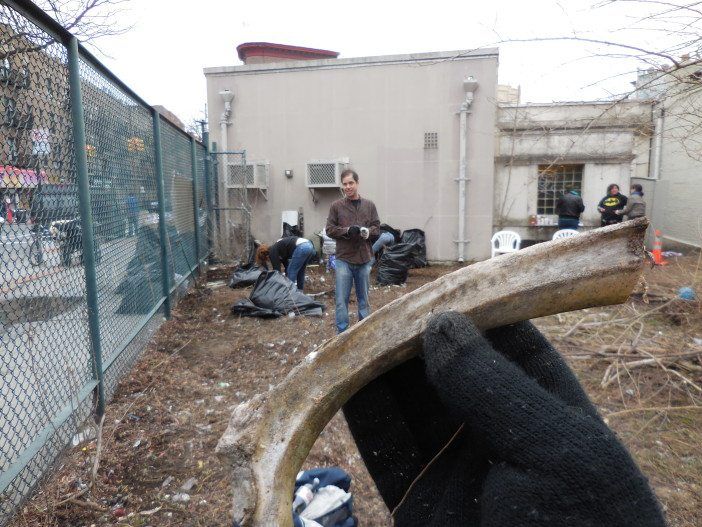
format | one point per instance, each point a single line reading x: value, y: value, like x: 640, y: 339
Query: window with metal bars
x: 431, y: 140
x: 554, y: 181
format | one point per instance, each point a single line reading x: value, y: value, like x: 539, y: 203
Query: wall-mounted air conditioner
x: 325, y: 173
x: 253, y: 174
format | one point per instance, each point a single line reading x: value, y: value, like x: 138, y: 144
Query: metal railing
x: 106, y: 208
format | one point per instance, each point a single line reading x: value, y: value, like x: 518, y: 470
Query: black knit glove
x: 354, y: 231
x: 522, y: 444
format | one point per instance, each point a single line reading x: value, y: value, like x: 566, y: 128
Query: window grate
x: 554, y: 181
x: 321, y: 174
x: 431, y: 140
x: 240, y: 173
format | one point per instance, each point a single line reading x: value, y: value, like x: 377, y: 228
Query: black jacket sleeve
x: 274, y: 255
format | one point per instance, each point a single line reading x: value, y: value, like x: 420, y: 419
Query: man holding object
x: 351, y: 222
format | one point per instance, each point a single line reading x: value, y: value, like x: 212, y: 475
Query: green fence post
x: 196, y: 200
x: 162, y: 232
x: 86, y: 217
x: 215, y: 186
x: 208, y: 191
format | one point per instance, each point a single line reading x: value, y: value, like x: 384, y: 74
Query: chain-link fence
x: 104, y: 216
x: 232, y: 223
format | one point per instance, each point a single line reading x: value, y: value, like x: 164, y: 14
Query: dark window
x: 554, y: 181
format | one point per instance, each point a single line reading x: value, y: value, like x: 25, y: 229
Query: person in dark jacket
x: 610, y: 204
x: 352, y: 222
x: 635, y: 206
x: 293, y: 253
x: 569, y: 207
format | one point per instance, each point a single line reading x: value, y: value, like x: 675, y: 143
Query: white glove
x: 365, y: 233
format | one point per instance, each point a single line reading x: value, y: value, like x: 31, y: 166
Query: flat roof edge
x: 439, y: 56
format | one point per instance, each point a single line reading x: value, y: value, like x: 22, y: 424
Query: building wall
x: 374, y: 111
x: 610, y: 141
x: 677, y: 197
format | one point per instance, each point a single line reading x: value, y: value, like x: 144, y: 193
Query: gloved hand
x: 365, y: 233
x: 504, y: 433
x: 354, y: 231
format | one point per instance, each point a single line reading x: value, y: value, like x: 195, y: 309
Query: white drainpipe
x: 469, y: 86
x: 658, y: 143
x: 224, y: 121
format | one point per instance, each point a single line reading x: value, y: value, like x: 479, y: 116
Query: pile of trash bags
x: 274, y: 295
x: 410, y: 252
x: 322, y: 499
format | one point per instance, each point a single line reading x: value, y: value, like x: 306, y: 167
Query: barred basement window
x: 554, y: 181
x: 431, y: 140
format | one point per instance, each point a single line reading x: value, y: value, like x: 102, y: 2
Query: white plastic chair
x: 564, y: 233
x: 505, y: 242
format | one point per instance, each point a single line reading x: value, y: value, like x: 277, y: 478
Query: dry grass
x: 164, y: 422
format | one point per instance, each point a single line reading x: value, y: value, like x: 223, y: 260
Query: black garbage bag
x: 395, y: 263
x: 245, y: 275
x: 291, y: 230
x: 274, y: 295
x: 417, y: 238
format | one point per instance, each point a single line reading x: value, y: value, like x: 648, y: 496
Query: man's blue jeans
x: 346, y: 275
x: 568, y: 223
x: 298, y: 261
x: 385, y: 238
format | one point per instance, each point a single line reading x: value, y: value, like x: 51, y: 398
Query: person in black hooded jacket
x: 610, y: 204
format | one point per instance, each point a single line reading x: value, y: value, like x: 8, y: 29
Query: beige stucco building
x: 396, y: 120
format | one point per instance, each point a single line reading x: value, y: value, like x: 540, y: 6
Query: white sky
x: 163, y: 56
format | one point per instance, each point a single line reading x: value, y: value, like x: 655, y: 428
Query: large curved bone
x: 269, y: 436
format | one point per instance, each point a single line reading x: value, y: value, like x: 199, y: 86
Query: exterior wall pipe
x: 469, y: 86
x: 224, y: 121
x: 658, y: 143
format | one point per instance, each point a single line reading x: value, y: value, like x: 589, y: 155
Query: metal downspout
x: 469, y: 87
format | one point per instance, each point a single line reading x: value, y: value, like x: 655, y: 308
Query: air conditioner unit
x: 325, y: 173
x: 253, y: 174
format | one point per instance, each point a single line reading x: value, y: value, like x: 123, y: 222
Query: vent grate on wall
x: 431, y: 140
x: 237, y: 173
x: 321, y: 174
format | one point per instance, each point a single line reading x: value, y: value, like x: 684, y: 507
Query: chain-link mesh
x: 202, y: 195
x: 47, y: 366
x: 178, y: 188
x: 233, y: 241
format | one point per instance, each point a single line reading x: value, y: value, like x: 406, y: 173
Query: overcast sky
x: 163, y: 56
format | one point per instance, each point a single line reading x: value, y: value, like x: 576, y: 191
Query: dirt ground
x: 162, y: 426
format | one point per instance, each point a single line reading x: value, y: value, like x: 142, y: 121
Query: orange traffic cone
x: 658, y: 249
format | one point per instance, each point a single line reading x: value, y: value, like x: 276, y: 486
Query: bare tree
x: 88, y: 20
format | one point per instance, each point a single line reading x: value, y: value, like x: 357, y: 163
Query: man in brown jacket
x: 351, y: 222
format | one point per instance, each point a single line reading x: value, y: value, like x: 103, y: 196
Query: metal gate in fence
x: 232, y: 239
